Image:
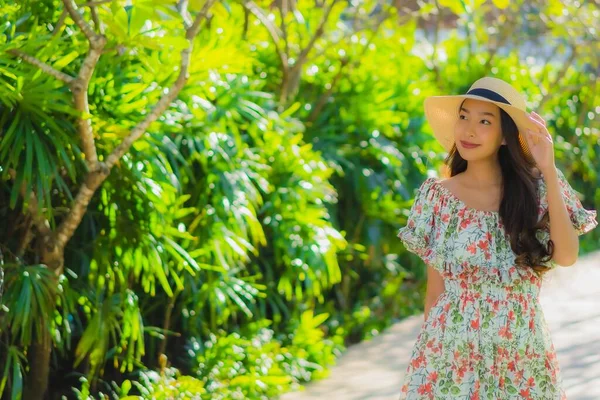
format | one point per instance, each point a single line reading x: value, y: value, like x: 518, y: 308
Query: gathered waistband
x: 461, y: 287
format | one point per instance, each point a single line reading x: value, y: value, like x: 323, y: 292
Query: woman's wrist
x: 548, y: 172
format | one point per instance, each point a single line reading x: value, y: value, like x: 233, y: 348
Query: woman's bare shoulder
x: 451, y: 182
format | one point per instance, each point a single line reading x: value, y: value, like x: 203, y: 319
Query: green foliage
x: 14, y: 368
x: 28, y: 291
x: 256, y: 364
x: 116, y: 319
x: 170, y: 384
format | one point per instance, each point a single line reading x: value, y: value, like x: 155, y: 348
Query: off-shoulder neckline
x: 451, y: 194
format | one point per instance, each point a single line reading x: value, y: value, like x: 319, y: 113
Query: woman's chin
x: 473, y: 154
x: 468, y: 154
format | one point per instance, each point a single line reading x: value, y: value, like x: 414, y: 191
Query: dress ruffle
x: 583, y: 220
x: 459, y: 240
x: 420, y: 227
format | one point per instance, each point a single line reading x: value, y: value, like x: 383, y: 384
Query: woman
x: 487, y: 234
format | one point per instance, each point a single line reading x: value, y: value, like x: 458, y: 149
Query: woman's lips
x: 468, y: 145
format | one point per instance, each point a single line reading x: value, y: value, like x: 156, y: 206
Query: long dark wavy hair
x: 518, y: 207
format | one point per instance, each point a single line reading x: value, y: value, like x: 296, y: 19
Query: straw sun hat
x: 442, y: 111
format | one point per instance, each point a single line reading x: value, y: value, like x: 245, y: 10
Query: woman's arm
x: 435, y: 287
x: 562, y: 232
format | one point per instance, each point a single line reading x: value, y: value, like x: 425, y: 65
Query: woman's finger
x: 537, y: 137
x: 541, y: 133
x: 536, y: 122
x: 530, y: 138
x: 538, y: 117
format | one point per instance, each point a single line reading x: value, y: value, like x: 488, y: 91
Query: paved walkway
x: 571, y: 300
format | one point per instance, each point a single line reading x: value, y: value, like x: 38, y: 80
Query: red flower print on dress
x: 511, y: 315
x: 505, y: 332
x: 519, y: 375
x: 442, y: 319
x: 425, y: 388
x: 502, y: 353
x: 494, y: 370
x: 417, y: 362
x: 472, y: 248
x: 461, y: 371
x: 433, y: 377
x: 496, y: 305
x: 475, y: 395
x: 465, y: 223
x: 483, y: 245
x: 525, y: 394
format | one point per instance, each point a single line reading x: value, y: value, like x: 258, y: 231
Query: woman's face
x: 478, y: 131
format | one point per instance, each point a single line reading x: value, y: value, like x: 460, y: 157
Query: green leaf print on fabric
x: 486, y: 336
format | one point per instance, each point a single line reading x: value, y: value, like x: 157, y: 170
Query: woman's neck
x: 483, y: 173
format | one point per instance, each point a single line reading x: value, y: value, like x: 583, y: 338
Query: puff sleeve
x: 418, y: 233
x: 583, y: 220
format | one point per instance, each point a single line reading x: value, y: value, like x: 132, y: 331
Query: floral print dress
x: 485, y: 336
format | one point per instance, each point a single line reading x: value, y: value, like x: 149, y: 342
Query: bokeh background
x: 248, y: 235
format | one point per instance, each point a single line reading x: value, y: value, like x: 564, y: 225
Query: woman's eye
x: 462, y: 116
x: 485, y: 120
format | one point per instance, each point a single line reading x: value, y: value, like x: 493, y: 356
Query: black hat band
x: 488, y: 94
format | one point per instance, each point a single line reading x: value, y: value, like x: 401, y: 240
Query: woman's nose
x: 470, y: 130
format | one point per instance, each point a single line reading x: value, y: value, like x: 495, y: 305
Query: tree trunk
x: 39, y: 363
x: 162, y: 348
x: 39, y: 352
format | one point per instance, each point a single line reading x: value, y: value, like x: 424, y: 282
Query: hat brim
x: 442, y: 113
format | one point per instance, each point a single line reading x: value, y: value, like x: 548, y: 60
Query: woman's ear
x: 503, y: 141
